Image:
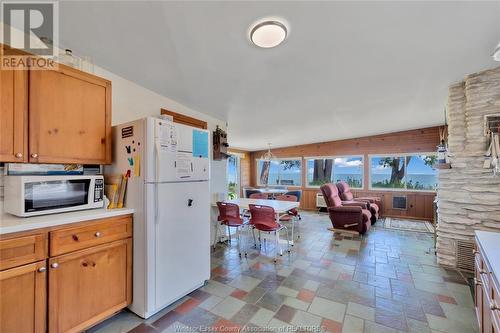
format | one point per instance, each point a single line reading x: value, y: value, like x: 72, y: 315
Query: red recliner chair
x: 374, y: 203
x: 353, y: 216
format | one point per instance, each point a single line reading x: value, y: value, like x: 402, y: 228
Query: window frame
x: 257, y: 160
x: 306, y: 182
x: 371, y: 188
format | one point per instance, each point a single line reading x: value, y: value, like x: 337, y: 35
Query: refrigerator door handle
x: 157, y: 174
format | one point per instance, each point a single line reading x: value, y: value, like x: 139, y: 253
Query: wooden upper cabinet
x: 13, y: 116
x: 69, y: 117
x: 23, y: 301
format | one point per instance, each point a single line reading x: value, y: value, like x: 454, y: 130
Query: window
x: 412, y: 172
x: 331, y: 170
x: 233, y: 188
x: 279, y: 172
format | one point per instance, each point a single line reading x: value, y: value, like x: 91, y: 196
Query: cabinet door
x: 23, y: 300
x: 13, y: 116
x: 88, y: 286
x: 69, y: 117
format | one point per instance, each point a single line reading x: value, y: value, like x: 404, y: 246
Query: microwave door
x: 54, y: 195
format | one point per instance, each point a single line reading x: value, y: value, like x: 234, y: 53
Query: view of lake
x: 293, y: 178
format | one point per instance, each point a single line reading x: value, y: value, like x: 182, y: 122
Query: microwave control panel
x: 99, y: 190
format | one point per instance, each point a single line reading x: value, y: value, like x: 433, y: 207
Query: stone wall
x: 469, y: 196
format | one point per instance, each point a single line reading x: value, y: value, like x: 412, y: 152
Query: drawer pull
x: 34, y: 155
x: 75, y: 238
x: 19, y: 155
x: 42, y: 269
x: 98, y: 234
x: 494, y: 307
x: 477, y: 282
x: 54, y: 265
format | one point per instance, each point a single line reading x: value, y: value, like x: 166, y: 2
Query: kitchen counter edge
x: 11, y: 224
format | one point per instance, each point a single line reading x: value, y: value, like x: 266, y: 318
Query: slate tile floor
x: 384, y: 282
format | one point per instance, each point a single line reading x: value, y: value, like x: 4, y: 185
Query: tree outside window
x: 412, y: 172
x: 330, y: 170
x: 280, y: 172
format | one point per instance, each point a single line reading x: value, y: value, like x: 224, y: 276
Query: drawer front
x: 22, y: 250
x: 494, y: 305
x: 91, y: 234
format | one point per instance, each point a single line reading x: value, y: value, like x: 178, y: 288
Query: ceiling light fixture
x: 268, y: 156
x: 496, y: 53
x: 269, y: 33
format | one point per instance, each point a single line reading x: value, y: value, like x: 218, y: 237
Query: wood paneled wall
x: 420, y: 204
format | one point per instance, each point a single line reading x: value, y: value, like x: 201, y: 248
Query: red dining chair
x: 259, y: 195
x: 264, y: 219
x: 229, y: 215
x: 292, y: 215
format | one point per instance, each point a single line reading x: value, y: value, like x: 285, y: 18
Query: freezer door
x: 182, y: 240
x: 181, y: 153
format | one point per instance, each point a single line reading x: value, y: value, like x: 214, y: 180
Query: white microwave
x: 39, y: 195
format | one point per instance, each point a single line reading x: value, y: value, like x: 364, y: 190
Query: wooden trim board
x: 185, y: 120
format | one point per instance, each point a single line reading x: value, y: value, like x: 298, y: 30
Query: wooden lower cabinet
x: 88, y: 286
x: 23, y: 298
x: 486, y: 294
x: 84, y: 284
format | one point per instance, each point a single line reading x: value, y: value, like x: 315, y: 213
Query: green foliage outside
x: 401, y: 184
x: 232, y: 191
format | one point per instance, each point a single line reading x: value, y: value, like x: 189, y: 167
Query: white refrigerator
x: 168, y: 165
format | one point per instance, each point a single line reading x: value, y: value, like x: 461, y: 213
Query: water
x: 294, y: 178
x: 287, y: 178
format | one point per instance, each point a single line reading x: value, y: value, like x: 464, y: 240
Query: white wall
x: 131, y: 101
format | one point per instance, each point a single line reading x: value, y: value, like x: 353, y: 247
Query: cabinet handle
x: 54, y: 265
x: 493, y: 306
x: 477, y: 282
x: 19, y: 155
x: 42, y: 269
x: 34, y: 155
x: 97, y: 234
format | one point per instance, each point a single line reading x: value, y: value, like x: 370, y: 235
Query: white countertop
x: 490, y: 246
x: 10, y: 223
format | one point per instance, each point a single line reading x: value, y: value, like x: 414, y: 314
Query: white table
x: 280, y: 207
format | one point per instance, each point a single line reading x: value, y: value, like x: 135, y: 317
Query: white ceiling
x: 347, y: 69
